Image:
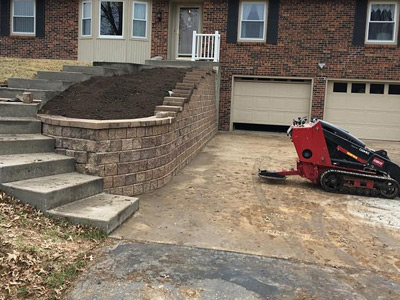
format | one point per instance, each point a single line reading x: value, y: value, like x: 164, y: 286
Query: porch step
x: 168, y: 108
x: 65, y: 76
x: 40, y: 84
x: 49, y: 192
x: 45, y: 95
x: 17, y: 109
x: 25, y: 143
x: 31, y: 165
x: 104, y: 211
x: 18, y: 125
x: 93, y: 70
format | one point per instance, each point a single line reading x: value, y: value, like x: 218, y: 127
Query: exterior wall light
x: 159, y: 16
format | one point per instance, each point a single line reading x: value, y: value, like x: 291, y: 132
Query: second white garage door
x: 270, y: 102
x: 366, y: 110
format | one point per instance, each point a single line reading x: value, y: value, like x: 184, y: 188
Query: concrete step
x: 40, y: 84
x: 17, y: 109
x: 16, y: 125
x: 181, y: 92
x: 25, y: 143
x: 66, y: 76
x: 104, y: 211
x: 93, y: 70
x: 45, y: 95
x: 19, y: 167
x: 168, y: 108
x: 172, y: 103
x: 125, y: 67
x: 175, y: 99
x: 191, y: 80
x: 49, y: 192
x: 186, y: 85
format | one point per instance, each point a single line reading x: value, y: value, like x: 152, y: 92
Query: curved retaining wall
x: 140, y: 155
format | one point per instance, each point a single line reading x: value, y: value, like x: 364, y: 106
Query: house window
x: 139, y: 23
x: 382, y: 22
x: 252, y: 21
x: 23, y: 17
x: 111, y: 19
x: 86, y: 18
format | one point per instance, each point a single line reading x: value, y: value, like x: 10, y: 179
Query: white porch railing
x: 206, y: 46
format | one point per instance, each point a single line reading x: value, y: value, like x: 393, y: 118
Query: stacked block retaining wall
x: 140, y: 155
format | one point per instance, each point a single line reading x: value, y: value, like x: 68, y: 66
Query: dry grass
x: 27, y: 68
x: 39, y: 256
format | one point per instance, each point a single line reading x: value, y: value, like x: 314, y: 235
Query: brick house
x: 332, y: 59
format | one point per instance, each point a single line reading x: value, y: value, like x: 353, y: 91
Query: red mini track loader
x: 340, y: 162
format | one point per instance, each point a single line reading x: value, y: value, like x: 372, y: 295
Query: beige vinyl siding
x: 365, y: 115
x: 126, y: 49
x: 270, y: 102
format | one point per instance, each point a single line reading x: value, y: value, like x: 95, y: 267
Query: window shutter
x: 360, y: 20
x: 5, y: 17
x: 40, y: 18
x: 273, y: 22
x: 232, y: 26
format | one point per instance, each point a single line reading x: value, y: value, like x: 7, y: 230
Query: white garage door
x: 367, y: 110
x: 270, y: 102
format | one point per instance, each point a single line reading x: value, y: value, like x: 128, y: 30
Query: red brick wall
x: 160, y: 29
x: 61, y: 35
x: 310, y: 31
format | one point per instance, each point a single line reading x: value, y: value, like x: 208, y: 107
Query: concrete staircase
x: 33, y: 173
x: 49, y: 84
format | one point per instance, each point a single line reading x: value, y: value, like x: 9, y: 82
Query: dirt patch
x: 39, y: 256
x: 27, y: 68
x: 120, y: 97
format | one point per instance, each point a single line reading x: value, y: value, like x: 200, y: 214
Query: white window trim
x: 241, y: 20
x: 133, y: 19
x: 114, y: 37
x: 34, y: 20
x: 367, y: 41
x: 83, y: 18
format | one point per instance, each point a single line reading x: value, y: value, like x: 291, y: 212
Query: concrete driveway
x: 217, y: 202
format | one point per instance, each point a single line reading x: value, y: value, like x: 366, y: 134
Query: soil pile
x: 120, y: 97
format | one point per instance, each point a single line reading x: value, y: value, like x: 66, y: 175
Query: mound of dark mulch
x: 120, y: 97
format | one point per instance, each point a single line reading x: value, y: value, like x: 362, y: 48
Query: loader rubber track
x: 338, y: 181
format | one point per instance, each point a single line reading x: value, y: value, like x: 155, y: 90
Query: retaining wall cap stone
x: 104, y: 124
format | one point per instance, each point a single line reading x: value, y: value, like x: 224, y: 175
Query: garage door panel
x: 243, y: 116
x: 244, y: 102
x: 363, y: 117
x: 367, y: 116
x: 290, y: 104
x: 272, y: 103
x: 363, y: 103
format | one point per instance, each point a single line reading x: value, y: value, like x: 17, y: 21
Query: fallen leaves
x: 39, y: 256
